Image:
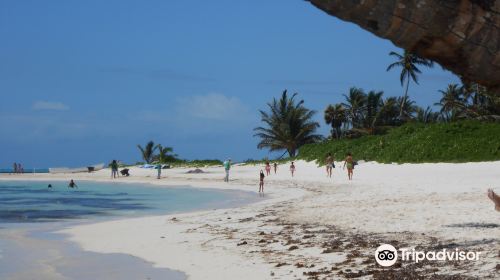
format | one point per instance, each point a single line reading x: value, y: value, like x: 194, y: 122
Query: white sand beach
x: 310, y: 225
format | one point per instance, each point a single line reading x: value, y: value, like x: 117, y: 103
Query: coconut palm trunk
x: 405, y: 96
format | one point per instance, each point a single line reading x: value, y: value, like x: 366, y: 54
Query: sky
x: 83, y: 82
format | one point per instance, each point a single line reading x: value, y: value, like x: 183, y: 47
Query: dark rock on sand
x: 195, y: 171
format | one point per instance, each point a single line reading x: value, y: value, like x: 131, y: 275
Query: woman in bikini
x: 261, y: 184
x: 329, y: 165
x: 349, y: 163
x: 292, y: 168
x: 268, y: 168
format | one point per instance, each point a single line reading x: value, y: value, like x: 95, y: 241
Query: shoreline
x: 313, y: 226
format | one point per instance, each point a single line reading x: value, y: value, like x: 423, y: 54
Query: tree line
x: 288, y: 124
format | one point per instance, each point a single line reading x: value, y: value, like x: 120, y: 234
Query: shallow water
x: 30, y: 213
x: 22, y: 202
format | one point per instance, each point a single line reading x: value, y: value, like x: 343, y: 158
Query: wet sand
x: 34, y: 252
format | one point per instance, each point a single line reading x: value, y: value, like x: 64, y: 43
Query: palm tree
x: 148, y: 151
x: 335, y: 115
x: 408, y: 108
x: 452, y: 104
x: 372, y: 110
x: 164, y: 154
x: 409, y: 70
x: 427, y: 115
x: 355, y: 102
x: 288, y: 125
x: 389, y: 112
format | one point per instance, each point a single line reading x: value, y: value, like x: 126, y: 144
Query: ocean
x: 32, y: 202
x: 30, y: 213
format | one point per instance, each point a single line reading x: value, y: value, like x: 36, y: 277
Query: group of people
x: 71, y: 185
x: 17, y: 168
x: 329, y: 162
x: 348, y: 162
x: 114, y: 170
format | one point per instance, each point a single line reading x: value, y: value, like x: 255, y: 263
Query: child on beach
x: 349, y: 162
x: 268, y: 168
x: 292, y: 168
x: 329, y: 165
x: 275, y: 167
x: 261, y: 184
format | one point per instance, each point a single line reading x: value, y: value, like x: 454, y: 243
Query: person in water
x: 72, y: 184
x: 49, y: 186
x: 268, y: 168
x: 261, y: 184
x: 329, y: 165
x: 275, y: 167
x: 495, y: 198
x: 292, y: 168
x: 114, y: 169
x: 349, y: 163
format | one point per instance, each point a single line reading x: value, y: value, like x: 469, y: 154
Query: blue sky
x: 86, y: 81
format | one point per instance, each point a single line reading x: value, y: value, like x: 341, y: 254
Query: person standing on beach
x: 275, y: 167
x: 349, y: 163
x: 292, y: 168
x: 227, y: 167
x: 20, y: 168
x: 261, y: 184
x: 114, y: 169
x: 14, y: 169
x: 158, y: 166
x: 268, y: 168
x: 329, y: 165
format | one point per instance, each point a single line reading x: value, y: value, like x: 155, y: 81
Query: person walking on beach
x: 261, y: 184
x: 227, y: 167
x: 292, y: 168
x: 329, y: 165
x: 268, y: 168
x: 158, y: 166
x: 20, y: 168
x: 114, y: 169
x: 14, y: 169
x: 495, y: 198
x: 72, y: 184
x: 275, y: 167
x: 349, y: 163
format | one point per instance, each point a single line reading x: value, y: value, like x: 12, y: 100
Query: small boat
x: 95, y: 167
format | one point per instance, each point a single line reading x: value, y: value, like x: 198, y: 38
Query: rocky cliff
x: 462, y: 35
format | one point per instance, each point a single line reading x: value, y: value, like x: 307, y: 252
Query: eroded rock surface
x: 462, y: 35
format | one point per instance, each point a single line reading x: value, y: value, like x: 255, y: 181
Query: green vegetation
x: 462, y: 141
x: 195, y: 163
x: 287, y: 126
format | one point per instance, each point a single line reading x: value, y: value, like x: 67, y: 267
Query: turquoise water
x: 30, y: 213
x: 26, y: 170
x: 26, y: 202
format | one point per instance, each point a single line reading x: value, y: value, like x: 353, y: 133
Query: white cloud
x: 51, y: 106
x: 213, y: 106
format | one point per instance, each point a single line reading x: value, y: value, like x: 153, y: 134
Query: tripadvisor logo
x: 387, y: 255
